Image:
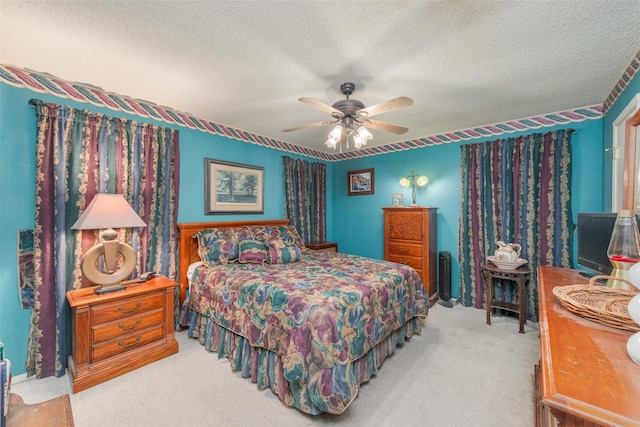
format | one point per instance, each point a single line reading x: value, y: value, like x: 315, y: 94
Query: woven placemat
x: 598, y: 303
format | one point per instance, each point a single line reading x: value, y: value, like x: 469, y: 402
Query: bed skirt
x: 265, y: 368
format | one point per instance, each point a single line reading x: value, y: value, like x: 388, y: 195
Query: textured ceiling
x: 244, y: 64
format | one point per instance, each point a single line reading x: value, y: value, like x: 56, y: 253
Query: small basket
x: 607, y: 306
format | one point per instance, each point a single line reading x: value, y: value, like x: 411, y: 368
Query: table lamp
x: 106, y: 212
x: 413, y: 180
x: 624, y: 247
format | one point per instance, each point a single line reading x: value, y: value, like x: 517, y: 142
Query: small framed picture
x: 360, y: 182
x: 397, y: 200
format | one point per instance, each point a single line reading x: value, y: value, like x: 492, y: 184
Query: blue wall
x: 358, y: 220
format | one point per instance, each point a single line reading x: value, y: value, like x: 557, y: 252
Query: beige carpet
x: 457, y: 372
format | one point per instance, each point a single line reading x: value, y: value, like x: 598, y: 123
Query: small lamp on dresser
x: 413, y: 180
x: 106, y: 212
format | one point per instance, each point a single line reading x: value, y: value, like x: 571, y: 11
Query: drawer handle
x: 404, y: 261
x: 131, y: 344
x: 127, y: 328
x: 404, y: 250
x: 130, y: 310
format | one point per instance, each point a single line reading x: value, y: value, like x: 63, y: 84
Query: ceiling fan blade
x: 322, y: 106
x: 385, y: 127
x: 384, y: 107
x: 311, y: 125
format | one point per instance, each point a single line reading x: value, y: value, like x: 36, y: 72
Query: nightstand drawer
x: 125, y: 343
x: 405, y: 250
x: 414, y: 262
x: 124, y: 308
x: 125, y: 326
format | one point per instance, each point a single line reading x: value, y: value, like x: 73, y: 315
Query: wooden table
x: 585, y: 376
x: 521, y: 277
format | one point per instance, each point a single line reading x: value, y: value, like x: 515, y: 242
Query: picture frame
x: 233, y: 188
x: 397, y: 200
x: 360, y: 182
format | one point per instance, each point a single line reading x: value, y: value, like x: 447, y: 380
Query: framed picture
x: 233, y: 188
x: 360, y: 182
x: 397, y: 199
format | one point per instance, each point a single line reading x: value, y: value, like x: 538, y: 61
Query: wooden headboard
x: 189, y: 245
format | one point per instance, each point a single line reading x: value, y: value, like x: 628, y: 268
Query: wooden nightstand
x: 118, y: 332
x: 322, y: 246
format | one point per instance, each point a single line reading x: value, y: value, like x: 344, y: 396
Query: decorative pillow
x: 242, y: 233
x: 217, y: 246
x: 282, y: 252
x: 252, y: 251
x: 261, y: 232
x: 287, y: 233
x: 295, y: 236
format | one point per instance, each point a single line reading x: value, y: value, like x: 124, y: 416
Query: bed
x: 311, y: 326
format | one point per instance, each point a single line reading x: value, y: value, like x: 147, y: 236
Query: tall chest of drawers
x: 410, y: 239
x: 118, y: 332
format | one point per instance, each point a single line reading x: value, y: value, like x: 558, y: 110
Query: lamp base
x: 620, y: 270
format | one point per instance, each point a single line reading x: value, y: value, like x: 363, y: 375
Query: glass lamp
x: 106, y: 212
x: 413, y: 180
x: 624, y: 248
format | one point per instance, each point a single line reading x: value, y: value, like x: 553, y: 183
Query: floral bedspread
x: 319, y: 314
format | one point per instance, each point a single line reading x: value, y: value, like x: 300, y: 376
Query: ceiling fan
x: 353, y: 118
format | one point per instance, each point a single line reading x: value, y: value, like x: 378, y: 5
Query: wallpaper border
x: 46, y: 83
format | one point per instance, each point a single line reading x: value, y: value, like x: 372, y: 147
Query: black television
x: 594, y: 234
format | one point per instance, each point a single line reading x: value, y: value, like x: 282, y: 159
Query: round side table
x: 520, y: 276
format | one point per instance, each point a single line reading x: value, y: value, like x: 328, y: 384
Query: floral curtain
x: 515, y: 190
x: 304, y: 197
x: 80, y: 154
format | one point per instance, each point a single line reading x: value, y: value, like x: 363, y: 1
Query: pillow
x: 297, y: 240
x: 288, y: 233
x: 217, y: 246
x: 282, y: 252
x: 252, y: 251
x: 261, y: 232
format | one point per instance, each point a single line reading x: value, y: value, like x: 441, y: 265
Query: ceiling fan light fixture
x: 331, y: 143
x: 364, y: 133
x: 352, y: 116
x: 336, y: 133
x: 359, y: 141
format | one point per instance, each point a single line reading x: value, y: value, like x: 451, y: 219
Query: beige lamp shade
x: 108, y: 211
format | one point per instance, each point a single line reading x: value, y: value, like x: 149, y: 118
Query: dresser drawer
x: 125, y: 343
x: 125, y: 308
x: 415, y: 262
x: 106, y: 331
x: 404, y: 249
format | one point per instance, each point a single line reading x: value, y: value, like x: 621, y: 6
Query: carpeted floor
x: 457, y: 372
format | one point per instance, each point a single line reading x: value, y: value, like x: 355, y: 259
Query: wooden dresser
x: 585, y: 376
x: 410, y: 238
x: 118, y: 332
